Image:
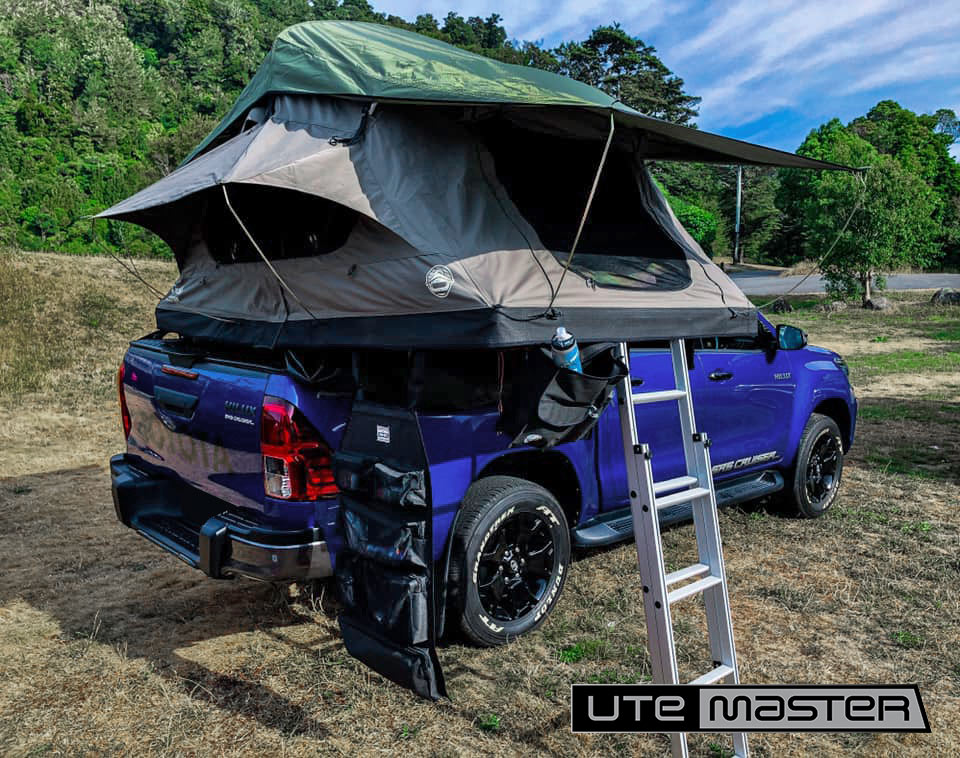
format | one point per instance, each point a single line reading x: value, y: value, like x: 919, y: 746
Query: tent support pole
x: 586, y: 212
x: 266, y: 260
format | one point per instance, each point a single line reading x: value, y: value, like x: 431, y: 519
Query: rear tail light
x: 297, y: 463
x: 124, y: 411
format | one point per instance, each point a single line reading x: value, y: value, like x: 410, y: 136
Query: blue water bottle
x: 566, y: 354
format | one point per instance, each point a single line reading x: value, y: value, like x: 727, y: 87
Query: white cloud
x: 766, y: 61
x: 915, y: 64
x: 754, y: 62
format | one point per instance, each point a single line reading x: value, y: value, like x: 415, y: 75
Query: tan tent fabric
x: 431, y: 205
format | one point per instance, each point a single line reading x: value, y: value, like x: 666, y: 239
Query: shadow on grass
x: 913, y: 436
x: 68, y: 556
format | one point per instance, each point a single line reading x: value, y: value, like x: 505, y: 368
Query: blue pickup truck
x: 229, y: 459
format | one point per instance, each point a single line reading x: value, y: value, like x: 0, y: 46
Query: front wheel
x: 816, y: 476
x: 511, y: 556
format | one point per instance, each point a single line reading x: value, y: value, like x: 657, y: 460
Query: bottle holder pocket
x: 390, y: 538
x: 559, y: 405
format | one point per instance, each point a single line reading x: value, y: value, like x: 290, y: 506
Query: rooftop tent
x: 409, y: 194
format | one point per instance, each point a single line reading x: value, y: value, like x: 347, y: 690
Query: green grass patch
x: 916, y: 527
x: 923, y: 462
x: 880, y: 338
x: 907, y: 639
x: 918, y: 411
x: 593, y: 649
x: 948, y: 335
x: 905, y: 362
x: 488, y: 722
x: 719, y: 751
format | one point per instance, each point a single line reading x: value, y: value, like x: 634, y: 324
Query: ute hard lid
x: 372, y: 187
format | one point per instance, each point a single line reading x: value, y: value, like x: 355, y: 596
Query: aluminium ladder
x: 707, y: 577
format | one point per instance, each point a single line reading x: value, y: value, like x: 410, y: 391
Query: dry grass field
x: 109, y: 646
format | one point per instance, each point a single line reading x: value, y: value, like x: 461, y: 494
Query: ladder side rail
x: 693, y: 454
x: 646, y: 533
x: 688, y: 423
x: 716, y: 599
x: 707, y: 527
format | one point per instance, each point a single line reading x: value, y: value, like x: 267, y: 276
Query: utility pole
x: 736, y: 225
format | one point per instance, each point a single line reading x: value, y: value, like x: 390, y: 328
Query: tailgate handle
x: 176, y: 402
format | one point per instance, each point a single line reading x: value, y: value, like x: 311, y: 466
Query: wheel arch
x: 551, y: 469
x: 837, y: 409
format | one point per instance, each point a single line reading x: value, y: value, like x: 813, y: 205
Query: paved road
x: 763, y: 283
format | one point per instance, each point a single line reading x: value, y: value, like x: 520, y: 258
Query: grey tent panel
x: 437, y: 252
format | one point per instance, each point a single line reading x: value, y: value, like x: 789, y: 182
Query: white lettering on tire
x: 550, y: 596
x: 486, y: 537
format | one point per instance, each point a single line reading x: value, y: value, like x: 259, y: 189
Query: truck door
x: 658, y: 424
x: 743, y: 397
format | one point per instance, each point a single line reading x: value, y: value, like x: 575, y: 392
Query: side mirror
x: 791, y: 337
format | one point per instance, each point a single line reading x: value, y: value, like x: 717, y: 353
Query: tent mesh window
x: 285, y: 224
x: 549, y: 178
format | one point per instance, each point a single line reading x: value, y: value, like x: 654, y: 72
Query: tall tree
x: 894, y: 212
x: 629, y: 70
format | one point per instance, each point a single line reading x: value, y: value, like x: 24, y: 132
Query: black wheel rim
x: 822, y: 468
x: 515, y: 566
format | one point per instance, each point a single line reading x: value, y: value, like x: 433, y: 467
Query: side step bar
x: 617, y: 525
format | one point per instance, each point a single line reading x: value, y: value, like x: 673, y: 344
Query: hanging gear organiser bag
x: 559, y: 405
x: 385, y: 571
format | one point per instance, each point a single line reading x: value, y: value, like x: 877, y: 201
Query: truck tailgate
x: 197, y: 419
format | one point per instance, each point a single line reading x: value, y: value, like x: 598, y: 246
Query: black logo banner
x: 746, y: 708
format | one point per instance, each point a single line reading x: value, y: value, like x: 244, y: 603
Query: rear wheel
x: 511, y: 555
x: 816, y: 476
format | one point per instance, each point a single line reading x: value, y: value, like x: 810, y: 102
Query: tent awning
x: 381, y: 63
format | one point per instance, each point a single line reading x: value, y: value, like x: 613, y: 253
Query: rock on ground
x: 946, y: 296
x: 878, y: 304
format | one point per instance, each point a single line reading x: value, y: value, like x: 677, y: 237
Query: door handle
x: 719, y: 376
x: 176, y: 402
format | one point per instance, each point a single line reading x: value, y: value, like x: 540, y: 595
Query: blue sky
x: 767, y: 72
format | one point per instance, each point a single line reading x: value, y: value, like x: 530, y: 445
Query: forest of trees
x: 100, y: 97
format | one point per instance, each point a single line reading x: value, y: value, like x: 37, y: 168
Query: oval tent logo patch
x: 440, y: 281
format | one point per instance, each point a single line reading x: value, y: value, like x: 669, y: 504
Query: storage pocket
x: 368, y: 479
x: 395, y: 601
x: 566, y: 404
x: 391, y: 538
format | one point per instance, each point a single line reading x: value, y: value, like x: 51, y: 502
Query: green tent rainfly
x: 373, y: 187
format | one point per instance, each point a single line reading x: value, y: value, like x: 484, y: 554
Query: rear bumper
x: 221, y: 543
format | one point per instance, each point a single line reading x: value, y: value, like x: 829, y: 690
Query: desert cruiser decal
x: 722, y: 468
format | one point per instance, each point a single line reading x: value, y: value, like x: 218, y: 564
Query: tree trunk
x: 865, y: 280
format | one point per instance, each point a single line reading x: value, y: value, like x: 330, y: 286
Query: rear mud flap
x: 385, y: 572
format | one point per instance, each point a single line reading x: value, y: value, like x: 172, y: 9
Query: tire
x: 815, y: 480
x: 510, y: 558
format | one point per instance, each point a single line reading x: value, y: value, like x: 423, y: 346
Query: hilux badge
x: 439, y: 281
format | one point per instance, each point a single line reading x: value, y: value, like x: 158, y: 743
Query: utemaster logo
x: 746, y: 708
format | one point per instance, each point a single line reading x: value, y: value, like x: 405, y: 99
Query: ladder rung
x: 692, y: 589
x: 718, y: 674
x: 697, y: 569
x: 657, y: 397
x: 681, y: 497
x: 674, y: 484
